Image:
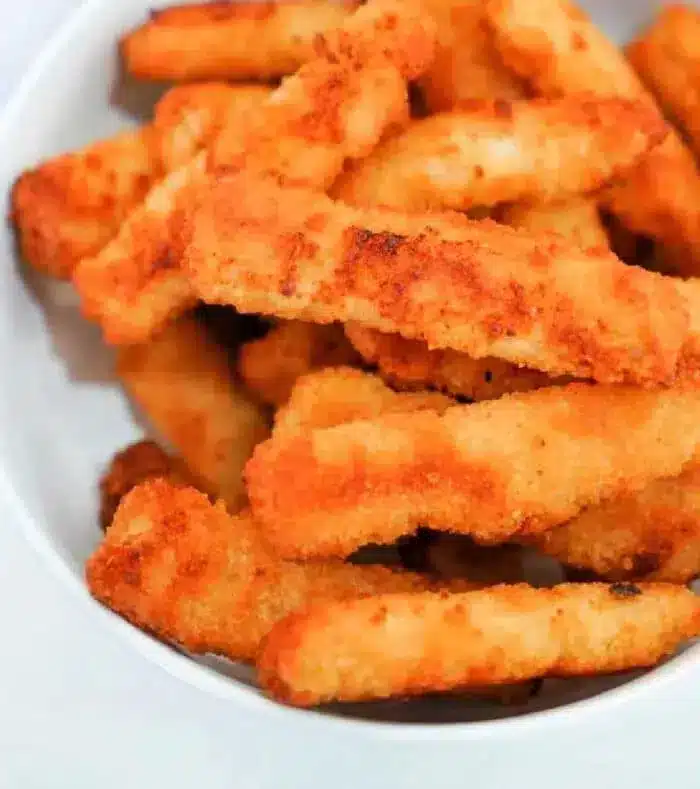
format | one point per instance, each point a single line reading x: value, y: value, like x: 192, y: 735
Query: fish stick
x: 271, y: 365
x: 466, y: 63
x: 229, y: 40
x: 338, y: 395
x: 70, y: 206
x: 577, y: 220
x: 652, y: 535
x: 667, y: 58
x: 130, y: 467
x: 511, y: 467
x: 493, y: 152
x: 336, y: 107
x: 411, y: 364
x: 405, y: 645
x: 189, y: 117
x: 569, y: 54
x: 182, y: 381
x: 187, y: 571
x: 477, y: 287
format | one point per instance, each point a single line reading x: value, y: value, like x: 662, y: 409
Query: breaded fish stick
x: 70, y: 206
x: 229, y: 40
x: 667, y: 58
x: 190, y: 573
x: 130, y: 467
x: 476, y: 287
x: 466, y: 63
x: 411, y: 364
x: 405, y: 645
x: 495, y: 470
x: 569, y: 54
x: 336, y: 107
x: 577, y: 220
x: 182, y: 381
x: 651, y: 535
x: 270, y: 366
x: 493, y: 152
x: 338, y: 395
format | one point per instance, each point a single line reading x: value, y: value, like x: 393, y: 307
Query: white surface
x: 80, y: 709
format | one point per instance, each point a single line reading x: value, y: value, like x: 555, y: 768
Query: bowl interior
x: 61, y: 411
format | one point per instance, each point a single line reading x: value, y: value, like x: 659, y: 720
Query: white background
x: 79, y: 709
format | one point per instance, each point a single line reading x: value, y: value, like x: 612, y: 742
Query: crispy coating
x: 466, y: 63
x: 496, y: 151
x: 411, y: 364
x: 569, y: 54
x: 270, y: 366
x: 338, y: 395
x: 652, y: 535
x: 510, y: 467
x: 577, y: 220
x: 70, y: 206
x: 336, y: 107
x: 229, y: 40
x: 477, y: 287
x: 405, y: 645
x: 130, y: 467
x: 182, y: 381
x: 184, y: 569
x: 667, y: 58
x: 189, y: 117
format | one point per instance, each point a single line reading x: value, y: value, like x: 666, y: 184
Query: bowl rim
x: 204, y: 678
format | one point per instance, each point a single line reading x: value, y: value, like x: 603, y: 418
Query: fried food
x: 411, y: 364
x: 182, y: 381
x: 229, y: 40
x: 477, y: 287
x: 492, y: 152
x: 270, y: 366
x: 189, y: 117
x: 577, y: 220
x: 516, y: 466
x: 466, y: 63
x: 184, y: 569
x: 336, y: 107
x: 338, y: 395
x: 70, y: 206
x: 410, y: 644
x: 130, y: 467
x: 667, y: 58
x: 652, y: 535
x: 569, y: 54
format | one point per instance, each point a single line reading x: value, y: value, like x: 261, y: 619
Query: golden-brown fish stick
x: 229, y: 40
x: 577, y: 220
x: 130, y: 467
x: 477, y: 287
x: 271, y: 365
x: 569, y: 54
x: 510, y: 467
x: 667, y: 57
x: 403, y: 645
x: 182, y: 381
x: 652, y: 535
x: 70, y: 206
x: 187, y: 571
x: 497, y: 151
x: 411, y: 364
x: 466, y: 63
x: 338, y: 395
x: 336, y: 107
x: 189, y: 117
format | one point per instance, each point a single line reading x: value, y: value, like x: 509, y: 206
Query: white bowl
x: 62, y: 415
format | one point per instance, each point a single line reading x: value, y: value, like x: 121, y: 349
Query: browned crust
x: 405, y: 645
